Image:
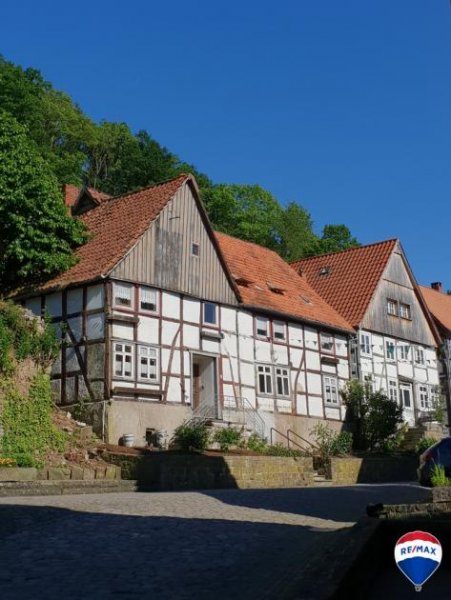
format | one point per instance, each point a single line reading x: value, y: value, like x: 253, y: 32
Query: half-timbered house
x: 395, y: 348
x: 162, y: 319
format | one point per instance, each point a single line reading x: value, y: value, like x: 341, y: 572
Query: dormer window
x: 324, y: 271
x: 275, y: 290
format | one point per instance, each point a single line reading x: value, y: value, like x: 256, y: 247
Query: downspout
x: 447, y: 364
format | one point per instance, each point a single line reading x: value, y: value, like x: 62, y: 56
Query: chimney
x: 437, y: 286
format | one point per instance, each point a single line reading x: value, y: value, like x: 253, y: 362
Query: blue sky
x: 344, y: 107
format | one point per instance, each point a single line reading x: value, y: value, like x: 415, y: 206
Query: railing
x: 271, y: 437
x: 309, y: 444
x: 235, y: 410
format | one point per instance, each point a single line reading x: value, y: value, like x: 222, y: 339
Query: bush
x: 28, y: 430
x: 438, y: 477
x: 375, y: 416
x: 227, y: 437
x: 424, y: 444
x: 257, y: 443
x: 330, y: 443
x: 191, y: 436
x: 281, y: 450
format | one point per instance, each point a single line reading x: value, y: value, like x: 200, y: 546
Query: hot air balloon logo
x: 418, y: 555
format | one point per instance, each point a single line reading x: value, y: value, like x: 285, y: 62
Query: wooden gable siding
x: 162, y: 257
x: 396, y: 284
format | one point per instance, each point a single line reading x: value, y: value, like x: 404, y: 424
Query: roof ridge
x: 354, y: 249
x: 233, y: 237
x: 147, y: 187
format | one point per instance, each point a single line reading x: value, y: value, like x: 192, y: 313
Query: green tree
x: 297, y: 237
x: 36, y: 233
x: 336, y: 238
x: 248, y: 212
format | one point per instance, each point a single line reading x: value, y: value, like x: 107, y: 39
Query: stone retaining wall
x: 59, y: 473
x: 162, y: 471
x: 372, y: 469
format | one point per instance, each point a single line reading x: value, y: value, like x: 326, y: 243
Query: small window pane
x: 210, y: 310
x: 262, y: 327
x: 148, y: 299
x: 123, y: 294
x: 195, y: 249
x: 279, y: 330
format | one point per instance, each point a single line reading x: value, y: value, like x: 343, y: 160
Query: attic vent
x: 242, y: 281
x: 305, y: 300
x: 275, y: 290
x: 324, y: 271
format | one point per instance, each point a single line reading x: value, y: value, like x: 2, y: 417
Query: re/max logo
x: 421, y: 549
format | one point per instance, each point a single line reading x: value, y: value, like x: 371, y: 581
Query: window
x: 282, y: 382
x: 390, y: 350
x: 330, y: 390
x: 404, y: 311
x: 148, y: 363
x: 195, y: 249
x: 423, y: 393
x: 365, y: 343
x: 210, y: 313
x: 419, y: 356
x: 148, y: 299
x: 123, y: 294
x: 123, y: 360
x: 279, y: 331
x: 404, y: 351
x: 261, y: 326
x: 393, y: 390
x: 327, y: 342
x: 392, y: 307
x: 264, y: 379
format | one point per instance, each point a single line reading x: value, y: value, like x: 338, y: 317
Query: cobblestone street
x: 227, y: 544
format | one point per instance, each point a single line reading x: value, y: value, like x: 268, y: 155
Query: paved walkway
x: 228, y: 544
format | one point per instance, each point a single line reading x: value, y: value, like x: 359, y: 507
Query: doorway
x: 408, y: 409
x: 204, y: 386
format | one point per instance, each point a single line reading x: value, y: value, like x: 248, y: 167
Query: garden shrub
x: 438, y: 477
x: 28, y: 430
x: 256, y: 443
x: 424, y: 444
x: 331, y: 443
x: 191, y: 436
x: 227, y: 437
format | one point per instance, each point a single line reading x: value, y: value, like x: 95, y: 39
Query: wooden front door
x: 196, y: 385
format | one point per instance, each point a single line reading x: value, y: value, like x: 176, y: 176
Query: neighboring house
x: 395, y: 349
x: 439, y: 305
x: 162, y: 319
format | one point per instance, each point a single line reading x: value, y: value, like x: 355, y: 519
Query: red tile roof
x: 266, y: 281
x: 439, y: 305
x: 114, y: 227
x: 72, y: 192
x: 347, y: 280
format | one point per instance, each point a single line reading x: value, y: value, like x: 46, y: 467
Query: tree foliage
x: 110, y: 157
x: 36, y: 233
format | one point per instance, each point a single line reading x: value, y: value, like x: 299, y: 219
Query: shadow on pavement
x: 342, y: 504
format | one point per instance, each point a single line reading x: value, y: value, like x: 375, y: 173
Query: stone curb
x: 52, y: 488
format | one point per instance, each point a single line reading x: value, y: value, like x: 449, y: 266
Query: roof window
x: 324, y: 271
x: 275, y: 290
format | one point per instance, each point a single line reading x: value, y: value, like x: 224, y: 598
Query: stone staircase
x: 412, y: 437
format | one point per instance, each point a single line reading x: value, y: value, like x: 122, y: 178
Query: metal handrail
x: 289, y: 431
x: 284, y: 436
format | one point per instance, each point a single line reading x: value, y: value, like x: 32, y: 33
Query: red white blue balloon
x: 418, y: 555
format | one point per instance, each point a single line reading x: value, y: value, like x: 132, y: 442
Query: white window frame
x: 216, y: 313
x: 392, y: 307
x: 331, y: 396
x: 119, y: 292
x: 142, y: 291
x: 148, y: 354
x: 405, y: 311
x: 266, y: 372
x: 404, y: 352
x: 365, y: 344
x: 266, y: 322
x: 419, y: 356
x: 393, y: 390
x: 424, y: 397
x: 120, y: 349
x: 282, y: 378
x: 392, y: 345
x: 279, y: 331
x: 326, y: 341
